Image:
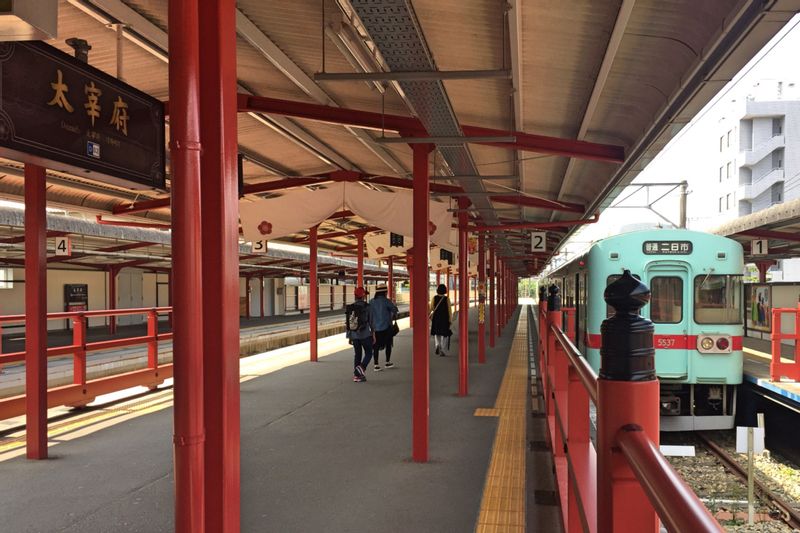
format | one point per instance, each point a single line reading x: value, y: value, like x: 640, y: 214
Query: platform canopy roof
x: 779, y: 225
x: 588, y: 91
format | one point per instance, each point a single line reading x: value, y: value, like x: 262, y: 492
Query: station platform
x: 757, y: 356
x: 256, y: 335
x: 318, y: 451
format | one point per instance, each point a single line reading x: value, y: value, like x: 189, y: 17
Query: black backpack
x: 356, y: 316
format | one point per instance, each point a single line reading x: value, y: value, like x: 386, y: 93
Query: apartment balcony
x: 755, y: 189
x: 749, y: 158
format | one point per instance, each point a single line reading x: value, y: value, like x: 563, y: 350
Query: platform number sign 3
x: 538, y: 241
x: 63, y: 246
x: 759, y: 247
x: 259, y: 247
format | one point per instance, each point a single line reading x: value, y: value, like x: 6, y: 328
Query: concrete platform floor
x: 319, y: 453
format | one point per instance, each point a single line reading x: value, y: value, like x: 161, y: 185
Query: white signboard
x: 759, y: 247
x: 63, y: 246
x: 259, y: 247
x: 538, y: 241
x: 741, y: 439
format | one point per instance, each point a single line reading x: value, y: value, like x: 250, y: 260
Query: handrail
x: 585, y: 372
x: 777, y: 368
x: 83, y: 391
x: 676, y: 504
x: 61, y: 315
x: 586, y: 471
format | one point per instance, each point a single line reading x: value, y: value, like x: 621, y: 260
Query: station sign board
x: 63, y: 246
x: 759, y: 247
x: 63, y: 114
x: 538, y: 241
x: 76, y: 297
x: 667, y: 247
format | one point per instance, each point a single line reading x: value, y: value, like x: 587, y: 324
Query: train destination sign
x: 667, y: 247
x: 64, y: 114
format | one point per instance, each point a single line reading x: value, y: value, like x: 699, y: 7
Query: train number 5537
x: 665, y: 343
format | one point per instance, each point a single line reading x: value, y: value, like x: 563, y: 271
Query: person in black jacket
x: 440, y: 319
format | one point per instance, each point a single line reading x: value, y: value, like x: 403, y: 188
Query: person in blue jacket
x: 382, y: 312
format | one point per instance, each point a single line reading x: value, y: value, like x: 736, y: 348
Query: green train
x: 696, y: 307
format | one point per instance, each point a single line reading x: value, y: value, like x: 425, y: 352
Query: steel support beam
x: 419, y: 303
x: 770, y: 234
x: 187, y: 318
x: 492, y: 303
x: 535, y: 225
x: 313, y: 293
x: 390, y: 277
x: 112, y: 270
x: 463, y: 304
x: 481, y: 298
x: 220, y: 250
x: 413, y: 76
x: 408, y: 125
x: 360, y: 255
x: 35, y: 313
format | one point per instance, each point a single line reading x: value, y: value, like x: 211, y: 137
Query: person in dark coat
x: 382, y: 312
x: 440, y: 319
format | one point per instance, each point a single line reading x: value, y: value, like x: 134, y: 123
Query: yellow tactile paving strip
x: 503, y: 502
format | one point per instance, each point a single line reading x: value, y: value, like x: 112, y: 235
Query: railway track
x: 780, y: 508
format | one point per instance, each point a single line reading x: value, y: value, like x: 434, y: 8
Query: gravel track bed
x: 713, y: 483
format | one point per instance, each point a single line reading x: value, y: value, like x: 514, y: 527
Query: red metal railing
x: 777, y: 368
x: 624, y: 484
x: 81, y: 391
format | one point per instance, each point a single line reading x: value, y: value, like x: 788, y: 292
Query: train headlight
x: 707, y: 343
x: 723, y: 343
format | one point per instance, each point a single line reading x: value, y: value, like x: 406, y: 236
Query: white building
x: 759, y: 158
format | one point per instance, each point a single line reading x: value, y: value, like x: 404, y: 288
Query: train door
x: 670, y: 289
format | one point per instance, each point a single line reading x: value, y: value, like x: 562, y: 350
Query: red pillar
x: 500, y: 289
x: 492, y: 303
x: 419, y: 290
x: 220, y: 227
x: 390, y: 277
x: 438, y: 277
x: 261, y: 294
x: 481, y: 299
x: 187, y: 319
x: 313, y: 292
x: 247, y: 297
x: 463, y: 302
x: 35, y: 313
x: 112, y: 297
x: 360, y: 282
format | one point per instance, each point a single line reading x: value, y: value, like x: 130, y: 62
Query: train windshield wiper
x: 710, y: 271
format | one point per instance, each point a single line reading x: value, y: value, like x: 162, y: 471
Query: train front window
x: 717, y: 299
x: 666, y: 301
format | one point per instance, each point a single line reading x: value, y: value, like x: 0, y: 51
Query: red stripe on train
x: 665, y: 342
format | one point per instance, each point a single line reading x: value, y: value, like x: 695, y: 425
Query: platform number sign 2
x: 538, y: 241
x: 259, y: 247
x: 759, y: 247
x: 63, y: 246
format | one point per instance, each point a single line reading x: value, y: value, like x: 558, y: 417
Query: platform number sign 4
x: 259, y: 247
x: 759, y: 247
x: 63, y: 246
x: 538, y: 241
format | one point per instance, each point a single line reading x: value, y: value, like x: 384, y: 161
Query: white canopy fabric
x: 378, y: 245
x: 300, y: 209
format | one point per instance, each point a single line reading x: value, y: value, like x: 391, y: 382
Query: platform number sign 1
x: 759, y: 247
x: 259, y: 247
x: 538, y: 241
x: 63, y: 246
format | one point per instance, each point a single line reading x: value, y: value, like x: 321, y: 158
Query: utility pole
x: 684, y: 195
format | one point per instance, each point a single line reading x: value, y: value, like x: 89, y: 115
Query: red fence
x: 624, y: 484
x: 778, y: 368
x: 81, y: 391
